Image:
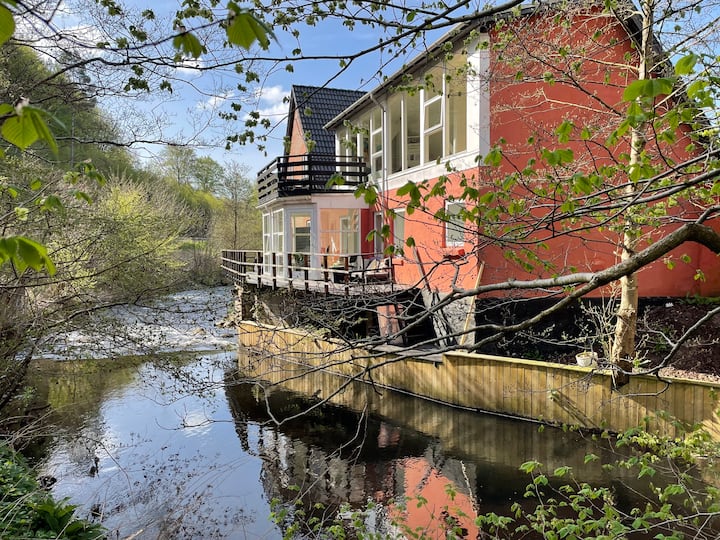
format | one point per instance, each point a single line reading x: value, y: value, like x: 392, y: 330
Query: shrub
x: 28, y: 511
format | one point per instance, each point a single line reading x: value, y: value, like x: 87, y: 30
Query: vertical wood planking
x: 549, y: 392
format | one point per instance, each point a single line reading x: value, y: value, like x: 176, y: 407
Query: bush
x: 27, y: 511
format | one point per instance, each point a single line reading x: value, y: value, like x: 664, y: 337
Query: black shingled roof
x: 317, y: 106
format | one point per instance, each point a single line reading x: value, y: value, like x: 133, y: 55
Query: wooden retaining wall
x: 552, y: 393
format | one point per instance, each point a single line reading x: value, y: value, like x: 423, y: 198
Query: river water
x: 173, y: 444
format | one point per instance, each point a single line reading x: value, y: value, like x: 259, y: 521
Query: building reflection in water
x: 387, y: 449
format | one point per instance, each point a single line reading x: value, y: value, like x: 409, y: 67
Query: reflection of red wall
x: 533, y: 107
x: 422, y: 480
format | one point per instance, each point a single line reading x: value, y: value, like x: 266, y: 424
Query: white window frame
x: 399, y: 223
x: 278, y: 241
x: 378, y: 240
x: 453, y: 226
x: 376, y: 134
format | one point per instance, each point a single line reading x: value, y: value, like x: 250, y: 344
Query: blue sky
x: 190, y: 114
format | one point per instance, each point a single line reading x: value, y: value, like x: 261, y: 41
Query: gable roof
x: 316, y: 107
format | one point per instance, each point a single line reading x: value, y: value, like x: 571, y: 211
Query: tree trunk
x: 623, y: 350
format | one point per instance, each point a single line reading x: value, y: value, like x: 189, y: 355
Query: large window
x: 273, y: 234
x: 433, y: 121
x: 339, y: 231
x: 455, y: 224
x: 437, y: 113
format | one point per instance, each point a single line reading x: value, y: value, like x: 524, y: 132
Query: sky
x: 191, y: 113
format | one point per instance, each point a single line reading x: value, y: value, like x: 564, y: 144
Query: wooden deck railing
x: 309, y: 174
x: 309, y: 271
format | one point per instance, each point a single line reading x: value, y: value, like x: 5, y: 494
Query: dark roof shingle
x: 317, y: 106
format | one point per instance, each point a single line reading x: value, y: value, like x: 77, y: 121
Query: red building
x: 502, y: 127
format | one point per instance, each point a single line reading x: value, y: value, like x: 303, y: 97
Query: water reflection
x: 189, y: 450
x: 368, y: 445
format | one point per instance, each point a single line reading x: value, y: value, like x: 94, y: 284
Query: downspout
x: 384, y: 201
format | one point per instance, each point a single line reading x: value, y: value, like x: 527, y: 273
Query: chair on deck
x: 377, y: 271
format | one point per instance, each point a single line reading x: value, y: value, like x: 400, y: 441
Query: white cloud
x: 272, y: 102
x: 215, y: 102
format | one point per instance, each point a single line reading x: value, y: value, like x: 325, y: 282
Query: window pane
x: 457, y: 116
x: 396, y: 132
x: 399, y: 229
x: 377, y: 164
x: 433, y: 146
x: 376, y: 119
x: 455, y: 225
x: 378, y: 244
x: 433, y: 114
x: 301, y: 233
x: 412, y: 118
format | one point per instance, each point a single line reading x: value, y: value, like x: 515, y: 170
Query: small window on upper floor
x: 399, y: 229
x: 455, y: 226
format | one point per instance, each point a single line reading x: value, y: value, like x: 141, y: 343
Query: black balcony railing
x: 287, y: 176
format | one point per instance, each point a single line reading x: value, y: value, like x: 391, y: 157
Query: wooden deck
x: 336, y: 275
x: 326, y: 286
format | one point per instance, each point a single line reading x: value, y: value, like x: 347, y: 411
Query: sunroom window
x: 376, y: 142
x: 441, y: 114
x: 396, y: 122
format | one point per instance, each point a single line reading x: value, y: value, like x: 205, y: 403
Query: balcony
x: 308, y: 174
x: 343, y: 274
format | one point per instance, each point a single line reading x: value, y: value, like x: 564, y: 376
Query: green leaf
x: 648, y: 88
x: 25, y: 253
x: 530, y: 466
x: 686, y: 64
x: 564, y: 131
x: 41, y: 128
x: 494, y: 157
x: 244, y: 29
x: 19, y: 131
x: 188, y: 44
x: 7, y: 24
x: 51, y: 203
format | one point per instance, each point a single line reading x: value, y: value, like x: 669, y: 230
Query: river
x: 172, y: 444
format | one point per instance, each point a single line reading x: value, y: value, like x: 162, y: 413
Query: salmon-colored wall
x: 298, y: 146
x: 532, y: 107
x: 440, y: 513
